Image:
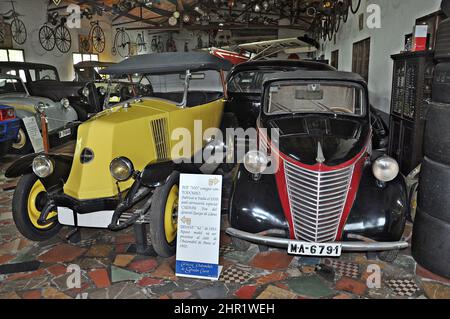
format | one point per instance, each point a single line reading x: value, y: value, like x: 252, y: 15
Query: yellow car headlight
x: 42, y: 166
x: 121, y: 169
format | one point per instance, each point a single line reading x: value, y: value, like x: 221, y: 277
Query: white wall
x: 35, y: 13
x: 397, y: 19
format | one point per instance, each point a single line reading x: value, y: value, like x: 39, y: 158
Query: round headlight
x: 121, y: 168
x: 65, y: 103
x: 385, y: 169
x: 255, y: 162
x: 40, y: 107
x: 42, y: 166
x: 85, y: 91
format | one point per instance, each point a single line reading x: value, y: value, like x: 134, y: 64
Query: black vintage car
x: 43, y: 80
x: 244, y: 92
x: 319, y: 189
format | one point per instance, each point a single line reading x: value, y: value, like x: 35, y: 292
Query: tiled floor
x: 109, y: 268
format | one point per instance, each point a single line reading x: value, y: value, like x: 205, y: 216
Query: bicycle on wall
x: 140, y: 42
x: 97, y: 37
x: 18, y: 29
x: 122, y: 43
x: 157, y: 45
x: 329, y: 16
x: 58, y: 36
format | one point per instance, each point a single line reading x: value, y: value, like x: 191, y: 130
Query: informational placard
x: 198, y: 236
x: 34, y: 134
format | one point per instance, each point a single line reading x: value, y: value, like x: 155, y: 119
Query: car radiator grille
x: 160, y: 136
x: 317, y: 201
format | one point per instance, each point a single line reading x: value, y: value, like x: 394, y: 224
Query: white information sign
x: 198, y: 235
x: 34, y: 134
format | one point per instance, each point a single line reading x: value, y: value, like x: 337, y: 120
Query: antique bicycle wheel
x: 123, y: 44
x: 18, y: 31
x: 2, y: 37
x: 63, y: 39
x: 47, y: 38
x: 355, y: 9
x: 98, y: 39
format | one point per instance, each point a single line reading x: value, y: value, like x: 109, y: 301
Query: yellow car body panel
x: 130, y: 132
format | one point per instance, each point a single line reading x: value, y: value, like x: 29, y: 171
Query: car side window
x: 23, y: 76
x: 247, y: 82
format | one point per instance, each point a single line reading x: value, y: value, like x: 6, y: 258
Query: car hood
x: 312, y: 139
x: 25, y: 100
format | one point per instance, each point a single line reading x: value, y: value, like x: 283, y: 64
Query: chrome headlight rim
x: 124, y: 163
x: 256, y: 162
x: 39, y: 107
x: 43, y: 166
x: 65, y: 103
x: 385, y: 169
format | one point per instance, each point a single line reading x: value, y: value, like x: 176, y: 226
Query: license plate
x: 314, y: 249
x: 65, y: 133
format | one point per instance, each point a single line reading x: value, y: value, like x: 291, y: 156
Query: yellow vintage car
x: 123, y: 171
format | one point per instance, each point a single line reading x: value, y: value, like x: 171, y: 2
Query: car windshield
x: 11, y: 86
x: 315, y: 97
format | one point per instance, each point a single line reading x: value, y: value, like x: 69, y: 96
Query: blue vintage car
x: 9, y: 128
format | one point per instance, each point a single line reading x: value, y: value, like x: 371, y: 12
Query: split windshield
x: 344, y: 98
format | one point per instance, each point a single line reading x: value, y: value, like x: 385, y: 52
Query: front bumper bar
x: 346, y: 245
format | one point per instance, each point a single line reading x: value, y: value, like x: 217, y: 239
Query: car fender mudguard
x: 62, y: 165
x: 254, y: 204
x: 156, y: 174
x: 379, y: 211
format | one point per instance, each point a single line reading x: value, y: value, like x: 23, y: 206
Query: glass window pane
x: 77, y: 58
x: 23, y: 76
x: 4, y: 55
x: 12, y: 72
x: 86, y: 57
x: 16, y: 56
x: 94, y: 57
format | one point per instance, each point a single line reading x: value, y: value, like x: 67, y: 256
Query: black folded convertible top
x: 314, y: 75
x: 169, y: 62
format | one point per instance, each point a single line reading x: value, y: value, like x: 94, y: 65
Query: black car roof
x: 277, y: 64
x: 314, y: 75
x: 27, y: 65
x: 169, y: 62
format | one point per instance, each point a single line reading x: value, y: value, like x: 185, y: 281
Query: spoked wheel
x: 123, y: 44
x: 98, y: 39
x: 29, y: 199
x: 2, y: 37
x: 344, y: 10
x: 164, y: 216
x: 355, y: 8
x: 47, y: 38
x: 18, y: 31
x: 63, y: 39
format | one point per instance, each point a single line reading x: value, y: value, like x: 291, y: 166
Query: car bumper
x: 350, y: 246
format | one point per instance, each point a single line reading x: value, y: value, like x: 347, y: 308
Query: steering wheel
x: 46, y: 77
x: 125, y: 93
x: 145, y: 90
x: 342, y: 110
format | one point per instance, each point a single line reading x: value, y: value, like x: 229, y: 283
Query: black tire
x: 437, y: 133
x: 442, y: 48
x: 22, y: 145
x: 157, y: 230
x: 229, y: 120
x: 441, y: 83
x: 434, y: 189
x: 20, y: 212
x: 431, y: 243
x: 239, y: 244
x: 388, y: 256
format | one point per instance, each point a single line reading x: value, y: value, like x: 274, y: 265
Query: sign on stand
x: 198, y: 235
x: 34, y: 133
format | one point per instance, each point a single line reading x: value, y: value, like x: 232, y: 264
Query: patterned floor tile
x: 235, y: 275
x: 344, y: 269
x: 403, y: 287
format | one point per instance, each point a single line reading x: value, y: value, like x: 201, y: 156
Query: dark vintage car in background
x: 43, y: 80
x: 330, y: 193
x: 9, y: 128
x: 245, y: 84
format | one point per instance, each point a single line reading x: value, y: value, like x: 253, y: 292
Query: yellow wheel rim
x: 170, y: 215
x: 33, y: 211
x: 21, y: 140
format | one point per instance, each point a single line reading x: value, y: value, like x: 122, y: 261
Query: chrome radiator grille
x: 160, y: 136
x: 317, y: 201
